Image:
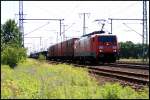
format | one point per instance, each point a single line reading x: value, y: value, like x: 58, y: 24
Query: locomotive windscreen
x: 107, y: 39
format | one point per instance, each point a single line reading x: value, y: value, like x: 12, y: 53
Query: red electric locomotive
x: 97, y: 47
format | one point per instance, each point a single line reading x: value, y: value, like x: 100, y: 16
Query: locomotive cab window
x: 107, y: 39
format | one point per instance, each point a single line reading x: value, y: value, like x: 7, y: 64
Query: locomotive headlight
x: 101, y: 47
x: 100, y: 50
x: 115, y: 50
x: 114, y: 47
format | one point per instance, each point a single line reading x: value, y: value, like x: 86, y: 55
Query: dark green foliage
x: 130, y: 50
x: 10, y: 34
x: 41, y: 57
x: 13, y: 55
x: 11, y: 49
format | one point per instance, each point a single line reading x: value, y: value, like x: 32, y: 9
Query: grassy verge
x: 133, y: 61
x: 34, y: 79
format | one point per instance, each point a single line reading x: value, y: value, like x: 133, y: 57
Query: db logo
x: 107, y: 43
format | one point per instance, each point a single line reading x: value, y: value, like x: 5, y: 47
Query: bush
x: 41, y: 57
x: 13, y: 55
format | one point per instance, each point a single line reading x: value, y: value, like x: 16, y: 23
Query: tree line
x: 129, y: 49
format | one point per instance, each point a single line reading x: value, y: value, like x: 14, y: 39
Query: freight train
x: 94, y: 47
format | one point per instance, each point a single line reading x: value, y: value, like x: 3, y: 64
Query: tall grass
x: 35, y: 80
x: 134, y: 60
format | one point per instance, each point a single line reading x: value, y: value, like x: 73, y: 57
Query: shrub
x: 41, y: 57
x: 13, y: 55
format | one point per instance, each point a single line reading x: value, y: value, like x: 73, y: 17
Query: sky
x: 46, y: 32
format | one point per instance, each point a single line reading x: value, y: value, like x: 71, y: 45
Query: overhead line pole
x: 111, y: 26
x: 145, y: 33
x: 144, y: 38
x: 64, y: 32
x: 45, y: 19
x: 35, y: 37
x: 21, y: 28
x: 84, y: 31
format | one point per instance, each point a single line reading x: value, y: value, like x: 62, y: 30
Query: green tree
x: 130, y: 50
x: 13, y: 55
x: 138, y: 50
x: 10, y: 34
x: 11, y: 49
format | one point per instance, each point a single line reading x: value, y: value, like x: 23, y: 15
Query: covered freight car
x: 63, y: 50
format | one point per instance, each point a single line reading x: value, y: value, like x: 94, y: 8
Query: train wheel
x: 95, y: 62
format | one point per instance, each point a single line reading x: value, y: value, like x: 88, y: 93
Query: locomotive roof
x: 105, y: 34
x: 100, y: 33
x: 97, y: 32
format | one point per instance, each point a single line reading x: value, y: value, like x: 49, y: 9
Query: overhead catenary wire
x: 132, y: 29
x: 70, y: 26
x: 72, y: 11
x: 37, y: 28
x: 45, y: 10
x: 124, y: 9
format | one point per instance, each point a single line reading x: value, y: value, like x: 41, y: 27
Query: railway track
x: 133, y: 66
x: 116, y: 65
x: 138, y: 78
x: 132, y: 73
x: 120, y: 65
x: 128, y: 72
x: 133, y: 63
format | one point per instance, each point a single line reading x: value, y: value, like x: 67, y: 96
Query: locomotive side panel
x: 84, y: 49
x: 94, y: 52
